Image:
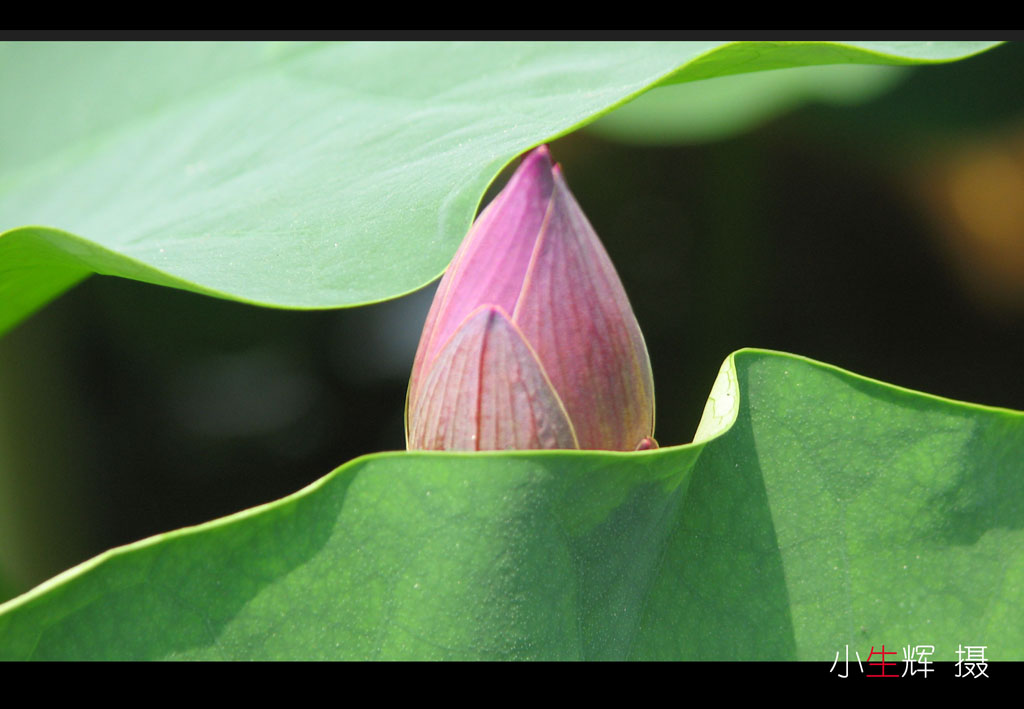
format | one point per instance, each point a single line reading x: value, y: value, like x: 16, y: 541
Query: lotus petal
x: 487, y: 391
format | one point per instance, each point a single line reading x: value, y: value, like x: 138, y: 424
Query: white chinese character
x: 975, y: 662
x: 922, y: 653
x: 847, y: 670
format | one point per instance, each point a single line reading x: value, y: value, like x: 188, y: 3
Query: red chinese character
x: 883, y: 663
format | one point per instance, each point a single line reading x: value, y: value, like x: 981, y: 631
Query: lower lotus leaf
x: 817, y: 510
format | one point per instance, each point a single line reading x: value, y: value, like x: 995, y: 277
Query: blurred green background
x: 869, y: 217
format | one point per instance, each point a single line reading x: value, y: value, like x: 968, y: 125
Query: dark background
x: 886, y: 238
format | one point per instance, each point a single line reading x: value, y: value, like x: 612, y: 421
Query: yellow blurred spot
x: 977, y: 198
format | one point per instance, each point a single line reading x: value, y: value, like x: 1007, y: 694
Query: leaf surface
x: 816, y: 509
x: 303, y: 175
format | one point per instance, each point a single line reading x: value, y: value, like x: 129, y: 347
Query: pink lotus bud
x: 531, y: 342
